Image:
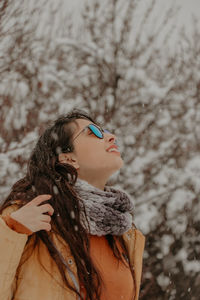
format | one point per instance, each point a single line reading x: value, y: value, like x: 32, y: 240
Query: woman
x: 70, y: 236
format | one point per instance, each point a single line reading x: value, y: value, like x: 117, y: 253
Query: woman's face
x: 95, y: 159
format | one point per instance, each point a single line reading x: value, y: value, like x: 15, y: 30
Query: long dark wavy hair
x: 46, y: 175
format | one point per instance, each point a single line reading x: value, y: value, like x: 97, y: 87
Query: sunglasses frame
x: 90, y: 127
x: 102, y: 131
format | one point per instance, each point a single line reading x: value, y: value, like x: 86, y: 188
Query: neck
x: 98, y: 183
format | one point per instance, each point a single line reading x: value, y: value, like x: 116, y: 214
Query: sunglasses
x: 98, y: 132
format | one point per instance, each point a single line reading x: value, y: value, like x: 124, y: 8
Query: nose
x: 110, y: 137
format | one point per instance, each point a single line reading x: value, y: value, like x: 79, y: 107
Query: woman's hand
x: 32, y: 215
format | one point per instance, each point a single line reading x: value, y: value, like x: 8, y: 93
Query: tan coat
x: 38, y: 278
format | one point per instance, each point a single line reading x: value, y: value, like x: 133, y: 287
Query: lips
x: 112, y: 148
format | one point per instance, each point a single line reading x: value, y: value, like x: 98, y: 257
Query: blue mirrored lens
x: 96, y: 131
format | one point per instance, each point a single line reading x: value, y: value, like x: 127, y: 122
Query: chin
x: 119, y: 164
x: 115, y: 171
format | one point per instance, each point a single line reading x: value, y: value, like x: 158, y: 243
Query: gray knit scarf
x: 104, y: 212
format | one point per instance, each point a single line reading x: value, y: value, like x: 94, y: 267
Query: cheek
x: 92, y: 155
x: 99, y: 159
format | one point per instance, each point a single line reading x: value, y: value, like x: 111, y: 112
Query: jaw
x: 99, y: 173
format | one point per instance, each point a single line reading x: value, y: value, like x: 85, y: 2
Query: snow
x: 155, y: 115
x: 163, y: 280
x: 55, y: 190
x: 150, y: 213
x: 192, y: 169
x: 180, y: 199
x: 164, y: 118
x: 72, y: 214
x: 161, y: 178
x: 189, y: 266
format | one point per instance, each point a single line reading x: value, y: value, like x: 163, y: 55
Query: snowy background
x: 135, y: 66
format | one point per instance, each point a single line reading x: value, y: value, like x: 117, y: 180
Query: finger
x: 46, y: 208
x: 45, y: 226
x: 45, y: 218
x: 39, y: 199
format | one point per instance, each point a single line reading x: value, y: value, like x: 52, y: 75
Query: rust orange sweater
x: 116, y: 275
